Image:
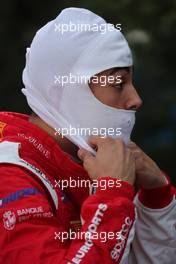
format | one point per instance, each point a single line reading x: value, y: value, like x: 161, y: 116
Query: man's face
x: 114, y: 88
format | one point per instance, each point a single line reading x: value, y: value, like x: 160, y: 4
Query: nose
x: 134, y: 101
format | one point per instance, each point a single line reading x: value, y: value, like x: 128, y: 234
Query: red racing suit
x: 43, y: 219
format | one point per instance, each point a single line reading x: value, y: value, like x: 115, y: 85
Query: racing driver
x: 47, y: 214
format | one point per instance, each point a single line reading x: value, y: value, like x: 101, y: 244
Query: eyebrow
x: 114, y: 70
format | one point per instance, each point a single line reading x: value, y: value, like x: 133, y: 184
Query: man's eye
x: 118, y: 86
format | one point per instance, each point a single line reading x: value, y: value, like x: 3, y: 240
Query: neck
x: 66, y: 145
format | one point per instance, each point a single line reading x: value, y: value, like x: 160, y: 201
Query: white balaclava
x: 59, y: 50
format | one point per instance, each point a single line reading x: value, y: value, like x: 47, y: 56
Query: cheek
x: 107, y: 95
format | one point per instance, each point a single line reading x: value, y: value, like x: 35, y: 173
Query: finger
x: 134, y: 148
x: 131, y: 144
x: 83, y: 154
x: 120, y: 142
x: 135, y: 152
x: 95, y: 141
x: 137, y: 155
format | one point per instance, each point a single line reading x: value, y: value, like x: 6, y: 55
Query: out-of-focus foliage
x: 150, y: 27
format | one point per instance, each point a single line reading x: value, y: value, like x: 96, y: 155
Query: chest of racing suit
x: 46, y: 206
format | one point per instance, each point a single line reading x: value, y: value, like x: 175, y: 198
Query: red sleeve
x: 159, y: 197
x: 109, y: 212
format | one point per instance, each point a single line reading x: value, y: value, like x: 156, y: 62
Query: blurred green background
x: 149, y: 25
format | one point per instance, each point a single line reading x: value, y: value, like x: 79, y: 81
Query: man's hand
x: 112, y: 159
x: 148, y: 174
